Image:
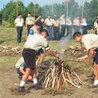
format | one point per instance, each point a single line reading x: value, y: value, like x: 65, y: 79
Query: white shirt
x: 90, y: 41
x: 30, y: 20
x: 19, y: 21
x: 19, y: 62
x: 48, y: 22
x: 36, y: 42
x: 62, y: 20
x: 68, y: 22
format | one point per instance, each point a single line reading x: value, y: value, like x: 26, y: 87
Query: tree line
x: 90, y: 10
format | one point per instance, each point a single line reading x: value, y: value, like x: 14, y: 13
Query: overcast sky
x: 40, y: 2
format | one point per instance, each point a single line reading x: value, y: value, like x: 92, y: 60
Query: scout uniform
x: 20, y: 65
x: 84, y: 26
x: 49, y: 24
x: 96, y: 27
x: 29, y: 22
x: 69, y: 27
x: 76, y: 24
x: 63, y: 26
x: 56, y: 24
x: 19, y: 27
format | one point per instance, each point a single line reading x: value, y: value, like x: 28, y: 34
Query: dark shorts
x: 18, y: 71
x: 96, y: 56
x: 40, y: 51
x: 29, y: 56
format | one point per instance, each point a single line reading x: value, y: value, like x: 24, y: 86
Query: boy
x: 31, y: 47
x: 21, y: 68
x: 36, y: 30
x: 90, y: 42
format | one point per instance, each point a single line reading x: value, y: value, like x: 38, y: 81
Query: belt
x: 29, y: 49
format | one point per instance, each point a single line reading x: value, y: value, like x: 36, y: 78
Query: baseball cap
x: 39, y: 23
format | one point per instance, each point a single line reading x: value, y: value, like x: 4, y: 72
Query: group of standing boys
x: 55, y: 26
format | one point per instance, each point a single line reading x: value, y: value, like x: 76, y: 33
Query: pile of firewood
x: 77, y: 49
x: 60, y: 75
x: 10, y: 48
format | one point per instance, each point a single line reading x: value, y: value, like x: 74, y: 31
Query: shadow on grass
x: 2, y: 41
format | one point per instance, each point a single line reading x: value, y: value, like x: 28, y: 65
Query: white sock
x: 95, y: 82
x: 22, y: 83
x: 35, y: 81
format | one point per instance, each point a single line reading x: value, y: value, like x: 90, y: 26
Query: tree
x: 30, y: 8
x: 9, y: 11
x: 73, y: 9
x: 91, y: 10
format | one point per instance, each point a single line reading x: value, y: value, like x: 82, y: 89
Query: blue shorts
x: 96, y: 56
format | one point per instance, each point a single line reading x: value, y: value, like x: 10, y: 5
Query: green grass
x: 8, y: 38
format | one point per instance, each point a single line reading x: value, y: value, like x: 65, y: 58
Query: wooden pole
x: 66, y: 1
x: 82, y: 8
x: 34, y: 8
x: 52, y: 6
x: 16, y: 8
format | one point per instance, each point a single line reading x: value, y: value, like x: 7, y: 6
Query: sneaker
x: 95, y: 91
x: 93, y: 86
x: 22, y: 89
x: 37, y: 86
x: 43, y: 66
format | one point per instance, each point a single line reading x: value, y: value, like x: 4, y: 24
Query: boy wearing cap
x: 90, y: 42
x: 31, y: 47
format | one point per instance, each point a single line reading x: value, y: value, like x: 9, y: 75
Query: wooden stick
x: 53, y: 83
x: 47, y: 82
x: 64, y: 80
x: 77, y: 76
x: 72, y: 83
x: 68, y: 75
x: 53, y: 70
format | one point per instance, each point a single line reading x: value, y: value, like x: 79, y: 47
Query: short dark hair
x: 44, y: 30
x: 76, y: 34
x: 63, y: 13
x: 29, y: 12
x: 19, y: 14
x: 39, y: 23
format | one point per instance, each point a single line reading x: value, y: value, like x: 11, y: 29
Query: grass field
x: 8, y: 38
x: 8, y: 74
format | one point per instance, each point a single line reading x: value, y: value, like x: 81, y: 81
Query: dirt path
x: 8, y: 77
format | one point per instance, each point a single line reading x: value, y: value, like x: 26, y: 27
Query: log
x: 53, y: 82
x: 69, y: 77
x: 72, y: 83
x: 46, y: 85
x: 77, y: 76
x: 64, y: 79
